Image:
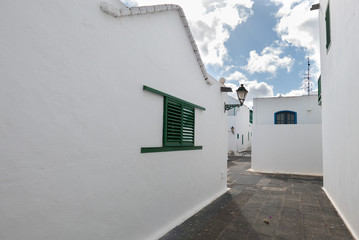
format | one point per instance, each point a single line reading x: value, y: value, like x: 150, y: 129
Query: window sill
x: 168, y: 149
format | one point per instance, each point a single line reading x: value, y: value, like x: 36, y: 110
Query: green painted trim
x: 168, y: 149
x: 184, y: 113
x: 251, y: 116
x: 327, y: 28
x: 164, y: 132
x: 175, y: 98
x: 320, y: 90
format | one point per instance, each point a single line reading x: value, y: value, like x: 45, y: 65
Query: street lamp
x: 241, y: 93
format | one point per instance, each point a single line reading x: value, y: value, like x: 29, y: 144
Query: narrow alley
x: 265, y: 206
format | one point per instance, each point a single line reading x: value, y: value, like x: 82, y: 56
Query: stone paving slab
x: 265, y: 206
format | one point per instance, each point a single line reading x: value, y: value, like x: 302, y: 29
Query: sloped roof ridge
x: 132, y: 11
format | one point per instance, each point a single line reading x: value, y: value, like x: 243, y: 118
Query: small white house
x: 287, y: 135
x: 110, y: 127
x: 239, y: 128
x: 339, y: 51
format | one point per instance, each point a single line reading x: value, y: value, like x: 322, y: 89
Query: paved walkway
x: 265, y: 206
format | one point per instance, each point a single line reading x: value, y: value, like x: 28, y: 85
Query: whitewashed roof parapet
x: 132, y: 11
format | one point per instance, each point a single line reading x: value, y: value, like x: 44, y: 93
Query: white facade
x: 240, y: 138
x: 339, y: 80
x: 287, y: 148
x: 74, y: 117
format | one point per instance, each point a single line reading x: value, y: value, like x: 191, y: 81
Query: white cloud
x: 255, y: 89
x: 298, y: 26
x: 237, y: 76
x: 298, y: 92
x: 268, y: 60
x: 211, y: 22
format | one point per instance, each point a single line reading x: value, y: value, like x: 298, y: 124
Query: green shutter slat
x: 188, y: 130
x: 173, y: 133
x: 173, y: 114
x: 174, y: 126
x: 174, y: 121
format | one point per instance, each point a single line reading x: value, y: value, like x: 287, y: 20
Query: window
x: 285, y: 117
x: 237, y: 135
x: 178, y: 124
x: 327, y: 27
x: 320, y: 90
x: 242, y: 139
x: 251, y: 116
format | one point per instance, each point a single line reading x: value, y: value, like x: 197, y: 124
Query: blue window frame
x: 285, y: 117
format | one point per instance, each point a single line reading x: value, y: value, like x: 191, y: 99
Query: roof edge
x: 132, y: 11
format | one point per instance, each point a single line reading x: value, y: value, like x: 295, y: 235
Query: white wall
x: 307, y: 109
x: 340, y: 73
x: 73, y: 118
x: 287, y: 148
x: 239, y: 119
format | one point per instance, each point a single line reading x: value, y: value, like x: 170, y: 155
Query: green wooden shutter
x: 327, y: 25
x: 320, y: 90
x: 178, y: 124
x: 173, y: 126
x: 187, y: 126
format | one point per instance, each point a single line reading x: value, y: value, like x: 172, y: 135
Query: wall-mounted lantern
x: 241, y: 94
x: 232, y: 129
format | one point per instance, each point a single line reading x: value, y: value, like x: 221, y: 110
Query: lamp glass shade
x: 241, y: 93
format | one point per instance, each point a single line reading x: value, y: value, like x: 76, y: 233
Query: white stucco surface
x: 74, y: 116
x: 239, y: 119
x: 287, y: 148
x: 307, y: 109
x: 339, y: 69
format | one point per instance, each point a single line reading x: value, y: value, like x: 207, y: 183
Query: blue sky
x: 261, y: 43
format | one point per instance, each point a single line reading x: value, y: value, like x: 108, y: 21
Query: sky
x: 263, y: 44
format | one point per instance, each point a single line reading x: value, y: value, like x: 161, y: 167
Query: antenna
x: 306, y: 80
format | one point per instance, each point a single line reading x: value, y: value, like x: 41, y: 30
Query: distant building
x: 339, y: 51
x: 239, y: 128
x: 110, y: 126
x: 287, y: 135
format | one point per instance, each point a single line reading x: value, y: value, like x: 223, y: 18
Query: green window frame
x: 178, y: 124
x: 251, y: 116
x: 242, y: 139
x: 320, y: 90
x: 237, y: 135
x: 327, y: 28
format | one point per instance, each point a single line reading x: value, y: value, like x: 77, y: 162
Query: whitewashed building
x: 97, y: 104
x: 239, y: 128
x: 287, y: 135
x: 339, y: 51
